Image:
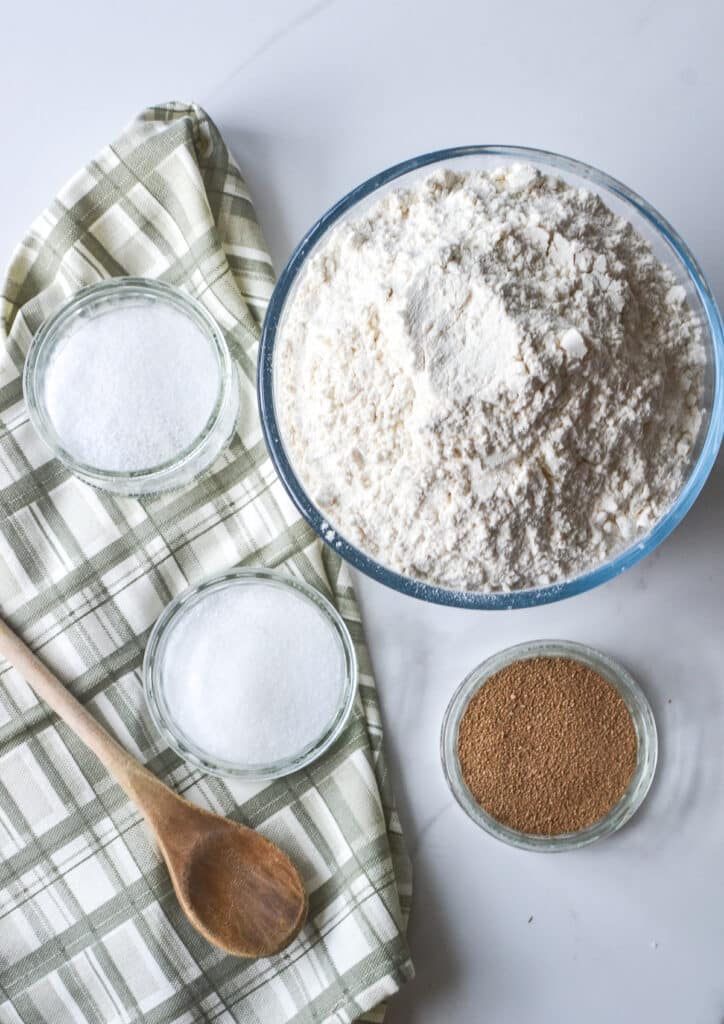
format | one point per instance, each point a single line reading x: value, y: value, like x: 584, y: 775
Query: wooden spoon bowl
x: 272, y: 900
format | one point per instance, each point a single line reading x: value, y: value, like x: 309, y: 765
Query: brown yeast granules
x: 547, y: 746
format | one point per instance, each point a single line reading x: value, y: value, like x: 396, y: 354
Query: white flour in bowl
x: 488, y: 381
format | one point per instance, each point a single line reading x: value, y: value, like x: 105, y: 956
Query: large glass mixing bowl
x: 668, y: 247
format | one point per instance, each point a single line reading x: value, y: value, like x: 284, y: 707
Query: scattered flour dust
x: 488, y: 381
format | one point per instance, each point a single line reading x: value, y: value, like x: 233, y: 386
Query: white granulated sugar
x: 488, y: 381
x: 132, y: 387
x: 253, y: 674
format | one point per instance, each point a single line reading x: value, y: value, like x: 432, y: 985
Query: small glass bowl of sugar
x: 132, y: 387
x: 251, y: 674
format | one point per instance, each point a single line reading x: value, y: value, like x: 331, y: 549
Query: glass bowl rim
x: 641, y: 714
x: 50, y: 329
x: 153, y: 681
x: 493, y: 600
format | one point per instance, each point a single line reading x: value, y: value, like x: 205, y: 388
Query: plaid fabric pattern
x: 90, y: 930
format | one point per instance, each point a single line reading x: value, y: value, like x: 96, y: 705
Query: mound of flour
x: 488, y: 381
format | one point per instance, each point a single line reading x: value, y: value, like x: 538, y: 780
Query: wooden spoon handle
x: 117, y: 761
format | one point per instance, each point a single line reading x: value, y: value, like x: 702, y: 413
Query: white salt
x: 131, y: 387
x: 253, y: 673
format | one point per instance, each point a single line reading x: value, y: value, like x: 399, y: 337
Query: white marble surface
x: 313, y: 97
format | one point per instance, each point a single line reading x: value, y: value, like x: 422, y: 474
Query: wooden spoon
x: 237, y: 888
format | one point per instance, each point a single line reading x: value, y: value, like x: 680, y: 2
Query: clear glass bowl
x: 172, y: 618
x: 643, y: 721
x: 93, y: 301
x: 669, y: 248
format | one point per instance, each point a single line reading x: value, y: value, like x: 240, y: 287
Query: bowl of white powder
x: 492, y: 377
x: 132, y: 387
x: 251, y: 674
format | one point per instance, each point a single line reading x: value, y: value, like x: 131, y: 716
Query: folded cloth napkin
x: 90, y: 929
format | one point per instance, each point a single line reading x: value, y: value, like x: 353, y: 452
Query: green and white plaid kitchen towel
x: 90, y: 930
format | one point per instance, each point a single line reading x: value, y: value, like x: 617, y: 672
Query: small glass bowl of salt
x: 132, y: 387
x: 250, y: 674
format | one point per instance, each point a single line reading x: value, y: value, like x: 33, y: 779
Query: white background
x: 313, y: 98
